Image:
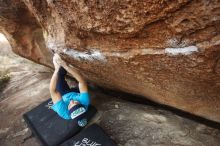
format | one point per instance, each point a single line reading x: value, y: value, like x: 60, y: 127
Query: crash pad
x: 93, y: 135
x: 49, y: 128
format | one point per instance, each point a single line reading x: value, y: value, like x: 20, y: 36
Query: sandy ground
x: 127, y: 123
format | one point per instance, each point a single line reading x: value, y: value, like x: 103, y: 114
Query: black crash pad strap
x: 51, y: 129
x: 91, y: 136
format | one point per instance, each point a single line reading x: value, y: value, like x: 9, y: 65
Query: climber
x: 68, y: 103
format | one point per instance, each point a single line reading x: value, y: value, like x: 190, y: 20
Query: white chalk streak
x: 152, y: 51
x: 91, y: 55
x: 181, y: 51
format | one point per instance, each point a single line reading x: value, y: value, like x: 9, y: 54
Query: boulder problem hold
x: 166, y: 51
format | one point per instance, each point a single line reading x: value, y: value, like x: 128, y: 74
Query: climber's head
x: 76, y: 110
x: 72, y: 104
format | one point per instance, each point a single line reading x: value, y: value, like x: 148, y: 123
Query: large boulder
x: 166, y: 51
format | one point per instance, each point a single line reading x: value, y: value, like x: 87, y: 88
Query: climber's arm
x: 55, y: 95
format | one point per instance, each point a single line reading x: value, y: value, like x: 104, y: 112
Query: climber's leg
x: 75, y: 89
x: 62, y: 85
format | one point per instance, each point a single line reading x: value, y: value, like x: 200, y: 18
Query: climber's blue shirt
x: 61, y: 107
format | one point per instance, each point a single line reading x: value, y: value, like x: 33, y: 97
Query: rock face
x: 141, y: 126
x: 166, y: 51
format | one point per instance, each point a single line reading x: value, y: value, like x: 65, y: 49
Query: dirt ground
x: 127, y: 123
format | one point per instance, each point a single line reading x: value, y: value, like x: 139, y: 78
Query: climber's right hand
x: 55, y: 61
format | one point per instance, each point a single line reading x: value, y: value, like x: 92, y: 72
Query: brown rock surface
x: 141, y: 126
x: 166, y: 51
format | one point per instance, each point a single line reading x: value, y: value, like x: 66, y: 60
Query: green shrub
x: 4, y: 79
